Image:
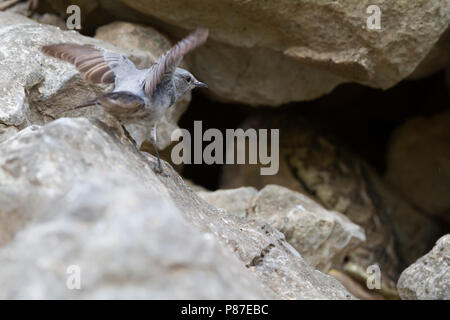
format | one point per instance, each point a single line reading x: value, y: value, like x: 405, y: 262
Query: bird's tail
x: 88, y: 103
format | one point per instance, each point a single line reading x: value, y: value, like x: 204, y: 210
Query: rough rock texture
x: 322, y: 237
x: 258, y: 76
x: 35, y: 89
x: 429, y: 277
x: 342, y: 182
x: 23, y: 8
x: 415, y: 232
x: 117, y: 241
x: 272, y: 36
x: 7, y: 131
x: 419, y: 163
x: 235, y: 201
x: 76, y: 194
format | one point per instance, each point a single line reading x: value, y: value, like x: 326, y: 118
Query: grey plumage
x: 140, y: 97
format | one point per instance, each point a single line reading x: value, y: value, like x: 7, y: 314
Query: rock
x: 314, y: 164
x: 419, y: 163
x: 95, y: 235
x: 429, y: 277
x: 277, y: 40
x: 322, y: 237
x: 77, y: 195
x: 150, y: 44
x: 197, y: 188
x: 258, y: 76
x: 35, y: 88
x: 139, y: 39
x: 236, y: 202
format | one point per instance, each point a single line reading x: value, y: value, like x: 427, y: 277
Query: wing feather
x: 96, y: 65
x: 167, y: 63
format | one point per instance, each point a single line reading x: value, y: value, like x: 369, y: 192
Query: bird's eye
x: 189, y: 79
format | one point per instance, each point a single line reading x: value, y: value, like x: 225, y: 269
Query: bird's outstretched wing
x: 167, y: 63
x: 96, y: 65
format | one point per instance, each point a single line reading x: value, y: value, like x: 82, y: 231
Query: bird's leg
x: 158, y: 166
x: 128, y: 135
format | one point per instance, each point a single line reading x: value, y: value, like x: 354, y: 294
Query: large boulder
x: 295, y: 50
x: 429, y: 277
x: 419, y: 163
x: 322, y: 237
x: 126, y: 244
x: 36, y: 88
x: 76, y: 193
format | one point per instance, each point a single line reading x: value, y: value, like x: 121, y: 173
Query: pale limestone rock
x: 322, y: 237
x: 235, y: 201
x: 429, y: 277
x: 72, y: 193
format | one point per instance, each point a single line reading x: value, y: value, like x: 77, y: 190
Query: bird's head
x: 185, y: 81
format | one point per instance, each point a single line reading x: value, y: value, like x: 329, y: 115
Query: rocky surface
x: 419, y: 163
x: 429, y: 277
x: 396, y: 233
x: 322, y: 237
x: 36, y: 89
x: 257, y: 45
x: 235, y: 201
x: 76, y: 193
x: 258, y: 76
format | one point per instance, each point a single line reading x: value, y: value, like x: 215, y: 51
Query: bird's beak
x: 201, y: 84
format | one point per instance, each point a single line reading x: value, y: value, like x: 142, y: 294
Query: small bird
x: 140, y: 96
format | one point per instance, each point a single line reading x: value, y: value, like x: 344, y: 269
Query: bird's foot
x: 158, y: 169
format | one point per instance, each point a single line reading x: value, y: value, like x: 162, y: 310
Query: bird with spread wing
x: 140, y: 96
